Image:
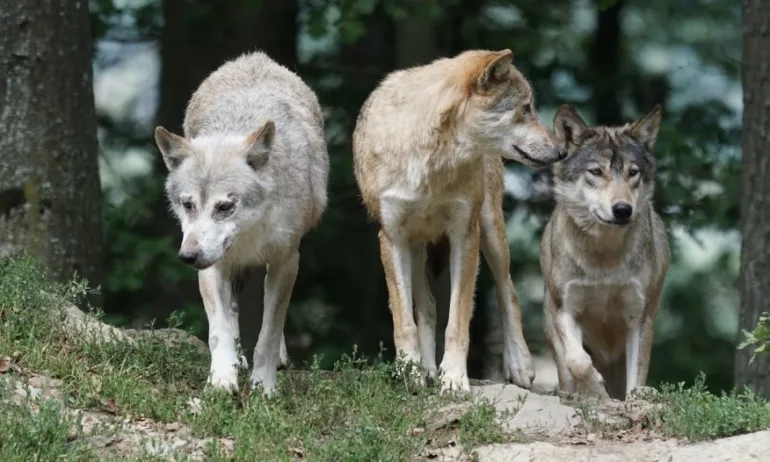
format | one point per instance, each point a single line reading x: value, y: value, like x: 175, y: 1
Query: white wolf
x: 247, y: 181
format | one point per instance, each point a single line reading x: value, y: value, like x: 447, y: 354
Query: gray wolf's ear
x: 569, y: 127
x: 173, y: 147
x: 645, y: 130
x: 259, y: 143
x: 497, y: 68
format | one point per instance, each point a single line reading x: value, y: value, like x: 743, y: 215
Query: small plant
x: 759, y: 338
x: 698, y: 414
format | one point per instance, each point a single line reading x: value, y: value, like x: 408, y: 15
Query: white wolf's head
x: 215, y: 188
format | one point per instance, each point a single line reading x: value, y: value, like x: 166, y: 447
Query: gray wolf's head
x: 498, y: 106
x: 215, y: 188
x: 608, y: 176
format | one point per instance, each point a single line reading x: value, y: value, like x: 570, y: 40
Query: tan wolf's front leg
x: 463, y: 269
x: 397, y: 262
x: 518, y: 367
x: 425, y: 310
x: 279, y: 283
x: 216, y: 292
x: 566, y: 382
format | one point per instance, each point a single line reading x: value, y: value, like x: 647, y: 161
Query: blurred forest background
x: 612, y: 59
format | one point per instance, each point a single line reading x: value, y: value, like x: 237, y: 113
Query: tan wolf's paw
x: 454, y: 379
x: 518, y: 367
x: 409, y: 368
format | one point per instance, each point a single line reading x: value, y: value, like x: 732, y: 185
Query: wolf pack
x: 247, y: 181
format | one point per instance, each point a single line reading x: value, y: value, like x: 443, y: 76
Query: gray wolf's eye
x: 224, y: 206
x: 595, y: 171
x: 633, y: 172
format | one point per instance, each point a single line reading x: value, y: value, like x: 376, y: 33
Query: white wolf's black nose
x: 622, y: 211
x: 188, y: 257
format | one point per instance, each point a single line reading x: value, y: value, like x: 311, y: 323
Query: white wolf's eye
x: 224, y: 206
x: 188, y: 205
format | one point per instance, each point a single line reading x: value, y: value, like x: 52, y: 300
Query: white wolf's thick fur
x: 247, y: 182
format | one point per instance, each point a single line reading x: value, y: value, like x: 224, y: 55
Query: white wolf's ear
x: 173, y: 147
x: 569, y: 127
x: 497, y: 69
x: 259, y: 143
x: 645, y: 130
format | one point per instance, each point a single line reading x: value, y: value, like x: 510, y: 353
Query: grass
x: 698, y: 415
x: 359, y: 411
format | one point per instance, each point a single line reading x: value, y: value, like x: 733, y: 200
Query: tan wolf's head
x: 496, y: 106
x: 216, y: 188
x: 608, y: 176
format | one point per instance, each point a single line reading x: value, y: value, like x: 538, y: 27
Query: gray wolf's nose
x: 622, y: 210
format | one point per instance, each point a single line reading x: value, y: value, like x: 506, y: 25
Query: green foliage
x: 759, y: 338
x: 357, y: 411
x: 47, y: 434
x: 696, y: 414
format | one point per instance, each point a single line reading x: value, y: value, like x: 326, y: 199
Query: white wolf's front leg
x: 216, y: 292
x: 279, y: 283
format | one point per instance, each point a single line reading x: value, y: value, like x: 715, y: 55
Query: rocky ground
x: 541, y: 426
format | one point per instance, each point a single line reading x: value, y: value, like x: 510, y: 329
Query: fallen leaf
x: 5, y: 364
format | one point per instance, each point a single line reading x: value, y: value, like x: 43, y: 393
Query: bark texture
x: 755, y: 189
x: 50, y: 193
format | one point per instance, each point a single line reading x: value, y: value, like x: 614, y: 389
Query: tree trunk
x: 50, y: 193
x: 605, y: 63
x: 755, y: 190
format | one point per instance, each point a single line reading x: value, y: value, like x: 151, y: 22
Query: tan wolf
x: 604, y: 256
x: 427, y: 153
x: 247, y: 181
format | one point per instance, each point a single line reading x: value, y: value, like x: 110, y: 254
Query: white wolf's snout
x: 203, y: 248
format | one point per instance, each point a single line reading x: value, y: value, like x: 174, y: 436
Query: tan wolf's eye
x: 633, y: 172
x: 527, y: 109
x: 595, y: 171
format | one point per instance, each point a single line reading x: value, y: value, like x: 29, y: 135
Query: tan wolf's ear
x: 645, y: 130
x: 173, y: 148
x: 569, y: 127
x: 259, y: 143
x: 496, y: 69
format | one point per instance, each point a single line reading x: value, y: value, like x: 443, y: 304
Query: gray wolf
x: 604, y: 256
x: 247, y: 181
x: 427, y: 152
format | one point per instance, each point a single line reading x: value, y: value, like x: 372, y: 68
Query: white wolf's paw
x: 518, y: 367
x: 264, y: 378
x: 224, y: 379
